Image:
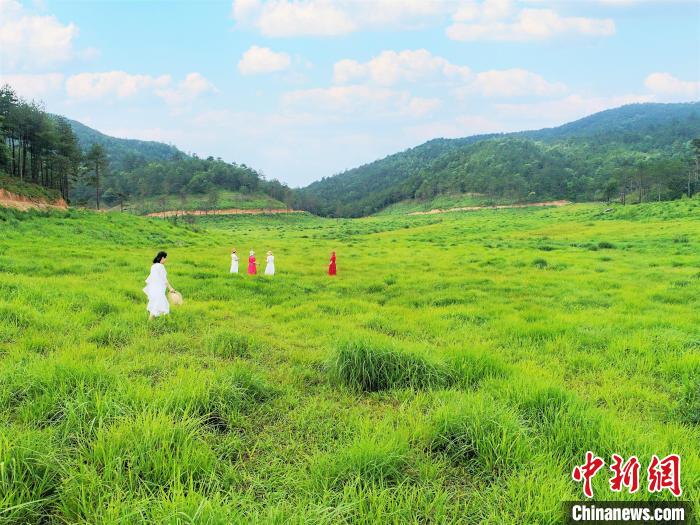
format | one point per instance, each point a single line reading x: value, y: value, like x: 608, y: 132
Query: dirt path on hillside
x: 496, y: 207
x: 22, y: 203
x: 229, y: 211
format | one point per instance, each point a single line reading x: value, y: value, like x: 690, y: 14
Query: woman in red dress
x: 331, y: 266
x: 252, y: 265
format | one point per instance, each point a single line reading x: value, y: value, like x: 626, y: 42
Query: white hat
x: 252, y: 252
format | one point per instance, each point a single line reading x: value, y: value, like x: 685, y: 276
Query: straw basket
x: 175, y: 297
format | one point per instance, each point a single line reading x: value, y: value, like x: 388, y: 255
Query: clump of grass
x: 30, y: 473
x: 175, y: 342
x: 229, y: 344
x: 471, y: 368
x: 565, y: 424
x: 217, y: 399
x: 38, y: 343
x: 480, y: 434
x: 377, y: 459
x: 102, y: 308
x: 73, y: 398
x: 150, y: 454
x: 531, y: 495
x: 605, y: 245
x: 539, y: 263
x: 689, y: 405
x: 370, y: 366
x: 115, y: 335
x: 183, y: 506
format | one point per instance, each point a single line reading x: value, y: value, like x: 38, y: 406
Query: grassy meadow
x: 226, y: 199
x: 454, y: 371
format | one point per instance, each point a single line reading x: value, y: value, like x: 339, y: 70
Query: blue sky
x: 303, y: 89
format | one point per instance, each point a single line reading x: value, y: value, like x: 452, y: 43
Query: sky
x: 304, y: 89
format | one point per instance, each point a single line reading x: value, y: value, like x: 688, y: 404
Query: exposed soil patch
x: 23, y: 203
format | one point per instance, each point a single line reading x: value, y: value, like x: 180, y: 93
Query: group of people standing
x: 270, y: 267
x: 253, y: 264
x: 157, y: 281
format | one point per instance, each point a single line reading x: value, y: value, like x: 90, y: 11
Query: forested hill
x: 152, y: 176
x: 124, y: 154
x: 637, y: 151
x: 90, y: 168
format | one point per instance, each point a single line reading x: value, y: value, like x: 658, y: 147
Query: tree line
x: 43, y: 149
x: 632, y: 154
x: 36, y: 147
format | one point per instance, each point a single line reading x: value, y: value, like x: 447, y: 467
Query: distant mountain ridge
x: 590, y: 158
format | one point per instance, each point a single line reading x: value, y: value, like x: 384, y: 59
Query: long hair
x: 159, y: 257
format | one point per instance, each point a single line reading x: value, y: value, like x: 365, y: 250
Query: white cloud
x: 34, y: 86
x: 29, y: 41
x: 485, y: 10
x: 565, y: 109
x: 513, y: 83
x: 286, y: 18
x: 259, y: 60
x: 361, y: 100
x: 485, y: 22
x: 667, y: 86
x: 471, y: 19
x: 122, y: 85
x: 192, y: 87
x: 391, y: 67
x: 405, y: 14
x: 92, y: 86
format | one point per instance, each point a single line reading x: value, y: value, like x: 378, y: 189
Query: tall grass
x: 441, y: 377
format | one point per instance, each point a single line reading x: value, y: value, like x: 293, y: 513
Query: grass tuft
x: 368, y: 365
x: 480, y: 434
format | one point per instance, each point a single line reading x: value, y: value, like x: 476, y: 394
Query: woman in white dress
x: 270, y: 267
x: 156, y: 284
x: 234, y: 261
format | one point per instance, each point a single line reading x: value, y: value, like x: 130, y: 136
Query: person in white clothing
x: 234, y: 261
x: 270, y: 267
x: 156, y: 284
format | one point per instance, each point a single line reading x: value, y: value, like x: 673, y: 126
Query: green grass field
x: 442, y: 202
x: 227, y: 199
x: 455, y: 371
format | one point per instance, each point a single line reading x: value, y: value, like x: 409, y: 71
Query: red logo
x: 662, y: 473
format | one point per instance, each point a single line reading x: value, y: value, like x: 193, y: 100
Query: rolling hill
x: 640, y: 149
x: 124, y: 153
x: 153, y: 176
